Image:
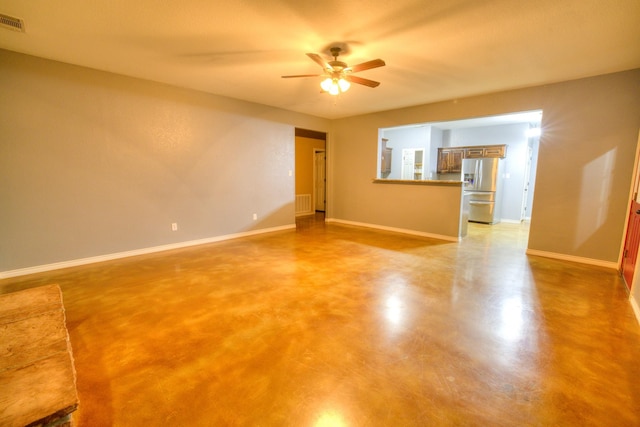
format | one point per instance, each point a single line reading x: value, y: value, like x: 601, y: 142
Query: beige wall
x: 304, y: 163
x: 93, y: 163
x: 584, y: 169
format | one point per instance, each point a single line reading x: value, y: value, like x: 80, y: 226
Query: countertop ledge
x: 418, y: 182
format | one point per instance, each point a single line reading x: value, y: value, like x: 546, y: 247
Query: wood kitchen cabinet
x: 495, y: 151
x: 473, y: 153
x: 450, y: 160
x: 385, y: 157
x: 485, y: 151
x: 385, y: 160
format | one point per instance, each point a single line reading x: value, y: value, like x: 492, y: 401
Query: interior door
x: 632, y: 239
x: 631, y: 244
x: 408, y: 163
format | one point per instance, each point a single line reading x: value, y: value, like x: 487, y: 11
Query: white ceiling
x: 434, y: 50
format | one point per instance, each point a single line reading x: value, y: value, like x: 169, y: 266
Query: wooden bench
x: 37, y: 376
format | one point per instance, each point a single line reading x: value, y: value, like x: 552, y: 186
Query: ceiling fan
x: 338, y: 75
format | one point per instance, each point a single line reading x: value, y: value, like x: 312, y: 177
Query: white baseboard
x: 636, y: 308
x: 581, y: 260
x: 394, y: 229
x: 511, y: 221
x: 143, y: 251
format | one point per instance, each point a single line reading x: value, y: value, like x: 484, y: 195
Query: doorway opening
x: 310, y: 172
x: 420, y: 145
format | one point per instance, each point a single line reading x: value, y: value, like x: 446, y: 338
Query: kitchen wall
x: 586, y: 154
x: 94, y: 164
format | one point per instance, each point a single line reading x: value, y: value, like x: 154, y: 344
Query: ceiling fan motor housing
x: 337, y: 66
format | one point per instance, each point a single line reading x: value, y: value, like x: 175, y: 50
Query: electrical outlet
x: 174, y: 226
x: 255, y: 216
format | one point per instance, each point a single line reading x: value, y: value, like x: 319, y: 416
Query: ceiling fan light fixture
x: 326, y: 84
x: 337, y: 76
x: 335, y: 89
x: 334, y: 85
x: 344, y: 85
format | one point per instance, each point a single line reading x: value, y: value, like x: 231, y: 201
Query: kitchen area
x: 481, y: 169
x: 493, y: 159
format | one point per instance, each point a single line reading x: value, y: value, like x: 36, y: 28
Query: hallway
x: 334, y: 325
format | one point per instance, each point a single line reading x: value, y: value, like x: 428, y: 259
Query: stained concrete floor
x: 333, y: 325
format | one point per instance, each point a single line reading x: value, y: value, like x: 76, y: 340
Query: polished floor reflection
x: 333, y: 325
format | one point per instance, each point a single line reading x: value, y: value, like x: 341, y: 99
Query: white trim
x: 636, y: 308
x: 597, y: 262
x: 144, y: 251
x: 314, y: 192
x: 394, y: 229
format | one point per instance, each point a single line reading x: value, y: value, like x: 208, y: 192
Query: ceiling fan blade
x: 375, y: 63
x: 318, y: 60
x: 361, y: 81
x: 301, y: 75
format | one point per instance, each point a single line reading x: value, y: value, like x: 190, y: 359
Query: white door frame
x: 316, y: 177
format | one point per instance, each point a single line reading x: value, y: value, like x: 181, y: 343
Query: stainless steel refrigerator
x: 482, y: 186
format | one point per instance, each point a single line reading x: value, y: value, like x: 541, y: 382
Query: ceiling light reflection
x: 330, y: 419
x: 511, y: 319
x: 393, y: 310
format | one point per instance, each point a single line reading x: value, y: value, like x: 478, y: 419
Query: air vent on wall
x: 11, y: 23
